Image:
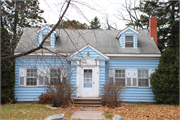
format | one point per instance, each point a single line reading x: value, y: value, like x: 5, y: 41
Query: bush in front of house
x: 111, y: 95
x: 165, y: 79
x: 45, y: 98
x: 61, y: 92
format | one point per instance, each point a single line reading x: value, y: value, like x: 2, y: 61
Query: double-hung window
x: 143, y: 78
x: 129, y: 41
x: 47, y: 42
x: 31, y: 79
x: 120, y: 77
x: 55, y: 76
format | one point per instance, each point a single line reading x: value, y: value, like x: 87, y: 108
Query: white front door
x: 88, y: 86
x: 87, y: 78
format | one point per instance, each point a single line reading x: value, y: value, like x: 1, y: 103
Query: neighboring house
x: 127, y: 56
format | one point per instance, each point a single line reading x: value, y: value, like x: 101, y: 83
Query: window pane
x: 88, y: 78
x: 44, y: 35
x: 129, y: 44
x: 85, y: 75
x: 120, y: 74
x: 46, y: 43
x: 90, y: 81
x: 85, y: 81
x: 143, y: 82
x: 90, y: 75
x: 120, y: 82
x: 129, y: 38
x: 143, y: 74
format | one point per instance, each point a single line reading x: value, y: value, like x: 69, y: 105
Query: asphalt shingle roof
x: 103, y: 40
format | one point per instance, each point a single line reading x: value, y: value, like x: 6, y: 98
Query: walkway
x: 88, y: 113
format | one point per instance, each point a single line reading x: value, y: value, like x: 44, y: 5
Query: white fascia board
x: 134, y: 55
x: 106, y: 57
x: 126, y: 30
x: 45, y: 54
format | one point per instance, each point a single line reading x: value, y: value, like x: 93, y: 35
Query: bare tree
x: 127, y: 13
x: 109, y: 25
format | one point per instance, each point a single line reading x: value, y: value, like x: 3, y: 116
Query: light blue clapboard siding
x: 53, y: 37
x: 134, y: 94
x: 84, y: 53
x: 101, y: 79
x: 73, y: 81
x: 32, y: 93
x: 122, y: 37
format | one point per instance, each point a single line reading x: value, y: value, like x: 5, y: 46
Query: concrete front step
x: 88, y: 101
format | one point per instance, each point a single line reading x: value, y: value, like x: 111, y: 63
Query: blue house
x: 92, y: 57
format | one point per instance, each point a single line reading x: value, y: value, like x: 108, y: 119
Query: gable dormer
x: 50, y: 41
x: 128, y: 38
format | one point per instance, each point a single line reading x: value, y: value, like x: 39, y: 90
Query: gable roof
x: 106, y: 57
x: 125, y: 29
x: 104, y: 41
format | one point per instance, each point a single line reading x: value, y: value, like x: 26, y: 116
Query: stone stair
x: 88, y: 101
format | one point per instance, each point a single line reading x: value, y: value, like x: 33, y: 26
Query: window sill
x: 129, y: 48
x: 31, y: 86
x: 143, y: 87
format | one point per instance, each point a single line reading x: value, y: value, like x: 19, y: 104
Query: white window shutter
x: 134, y: 77
x: 40, y: 76
x: 64, y: 72
x: 22, y: 76
x: 111, y: 75
x: 46, y: 75
x: 151, y: 71
x: 128, y: 77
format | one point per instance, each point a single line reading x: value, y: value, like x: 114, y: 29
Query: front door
x: 88, y: 83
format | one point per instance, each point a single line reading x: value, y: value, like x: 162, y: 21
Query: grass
x: 144, y: 112
x: 108, y: 114
x: 30, y: 111
x: 131, y: 111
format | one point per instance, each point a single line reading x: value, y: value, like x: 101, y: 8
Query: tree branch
x: 41, y: 45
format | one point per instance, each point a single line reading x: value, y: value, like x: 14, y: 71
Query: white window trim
x: 125, y: 40
x: 46, y: 39
x: 138, y: 78
x: 27, y: 77
x: 114, y: 78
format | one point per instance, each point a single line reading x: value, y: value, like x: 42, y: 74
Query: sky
x: 88, y: 8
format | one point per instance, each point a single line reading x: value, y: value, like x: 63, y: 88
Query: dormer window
x: 128, y: 38
x: 129, y: 41
x: 47, y: 42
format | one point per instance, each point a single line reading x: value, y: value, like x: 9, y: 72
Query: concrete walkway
x: 88, y: 113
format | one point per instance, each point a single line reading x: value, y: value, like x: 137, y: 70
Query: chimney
x: 153, y: 28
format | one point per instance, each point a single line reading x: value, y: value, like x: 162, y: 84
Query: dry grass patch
x: 30, y: 111
x: 145, y: 112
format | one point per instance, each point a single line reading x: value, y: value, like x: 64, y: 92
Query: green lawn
x: 30, y: 111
